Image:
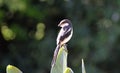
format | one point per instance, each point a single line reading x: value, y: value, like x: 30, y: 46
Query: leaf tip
x: 12, y: 69
x: 68, y: 70
x: 83, y: 67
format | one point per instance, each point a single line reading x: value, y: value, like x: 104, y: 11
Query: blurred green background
x: 29, y: 30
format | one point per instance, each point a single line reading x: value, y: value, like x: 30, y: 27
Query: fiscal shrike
x: 63, y: 37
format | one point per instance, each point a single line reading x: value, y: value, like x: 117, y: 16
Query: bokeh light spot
x: 40, y: 28
x: 7, y: 33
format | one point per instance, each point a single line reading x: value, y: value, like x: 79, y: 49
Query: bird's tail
x: 55, y: 55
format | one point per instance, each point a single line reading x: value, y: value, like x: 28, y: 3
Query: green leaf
x: 12, y: 69
x: 68, y: 70
x: 83, y: 67
x: 61, y: 62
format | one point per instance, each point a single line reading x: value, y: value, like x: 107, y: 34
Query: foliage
x: 61, y: 62
x: 83, y: 67
x: 12, y: 69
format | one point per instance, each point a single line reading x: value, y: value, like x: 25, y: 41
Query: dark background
x: 29, y: 30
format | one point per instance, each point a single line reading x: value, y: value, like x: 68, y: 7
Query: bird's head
x: 64, y: 22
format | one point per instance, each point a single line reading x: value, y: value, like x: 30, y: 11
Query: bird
x: 63, y: 37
